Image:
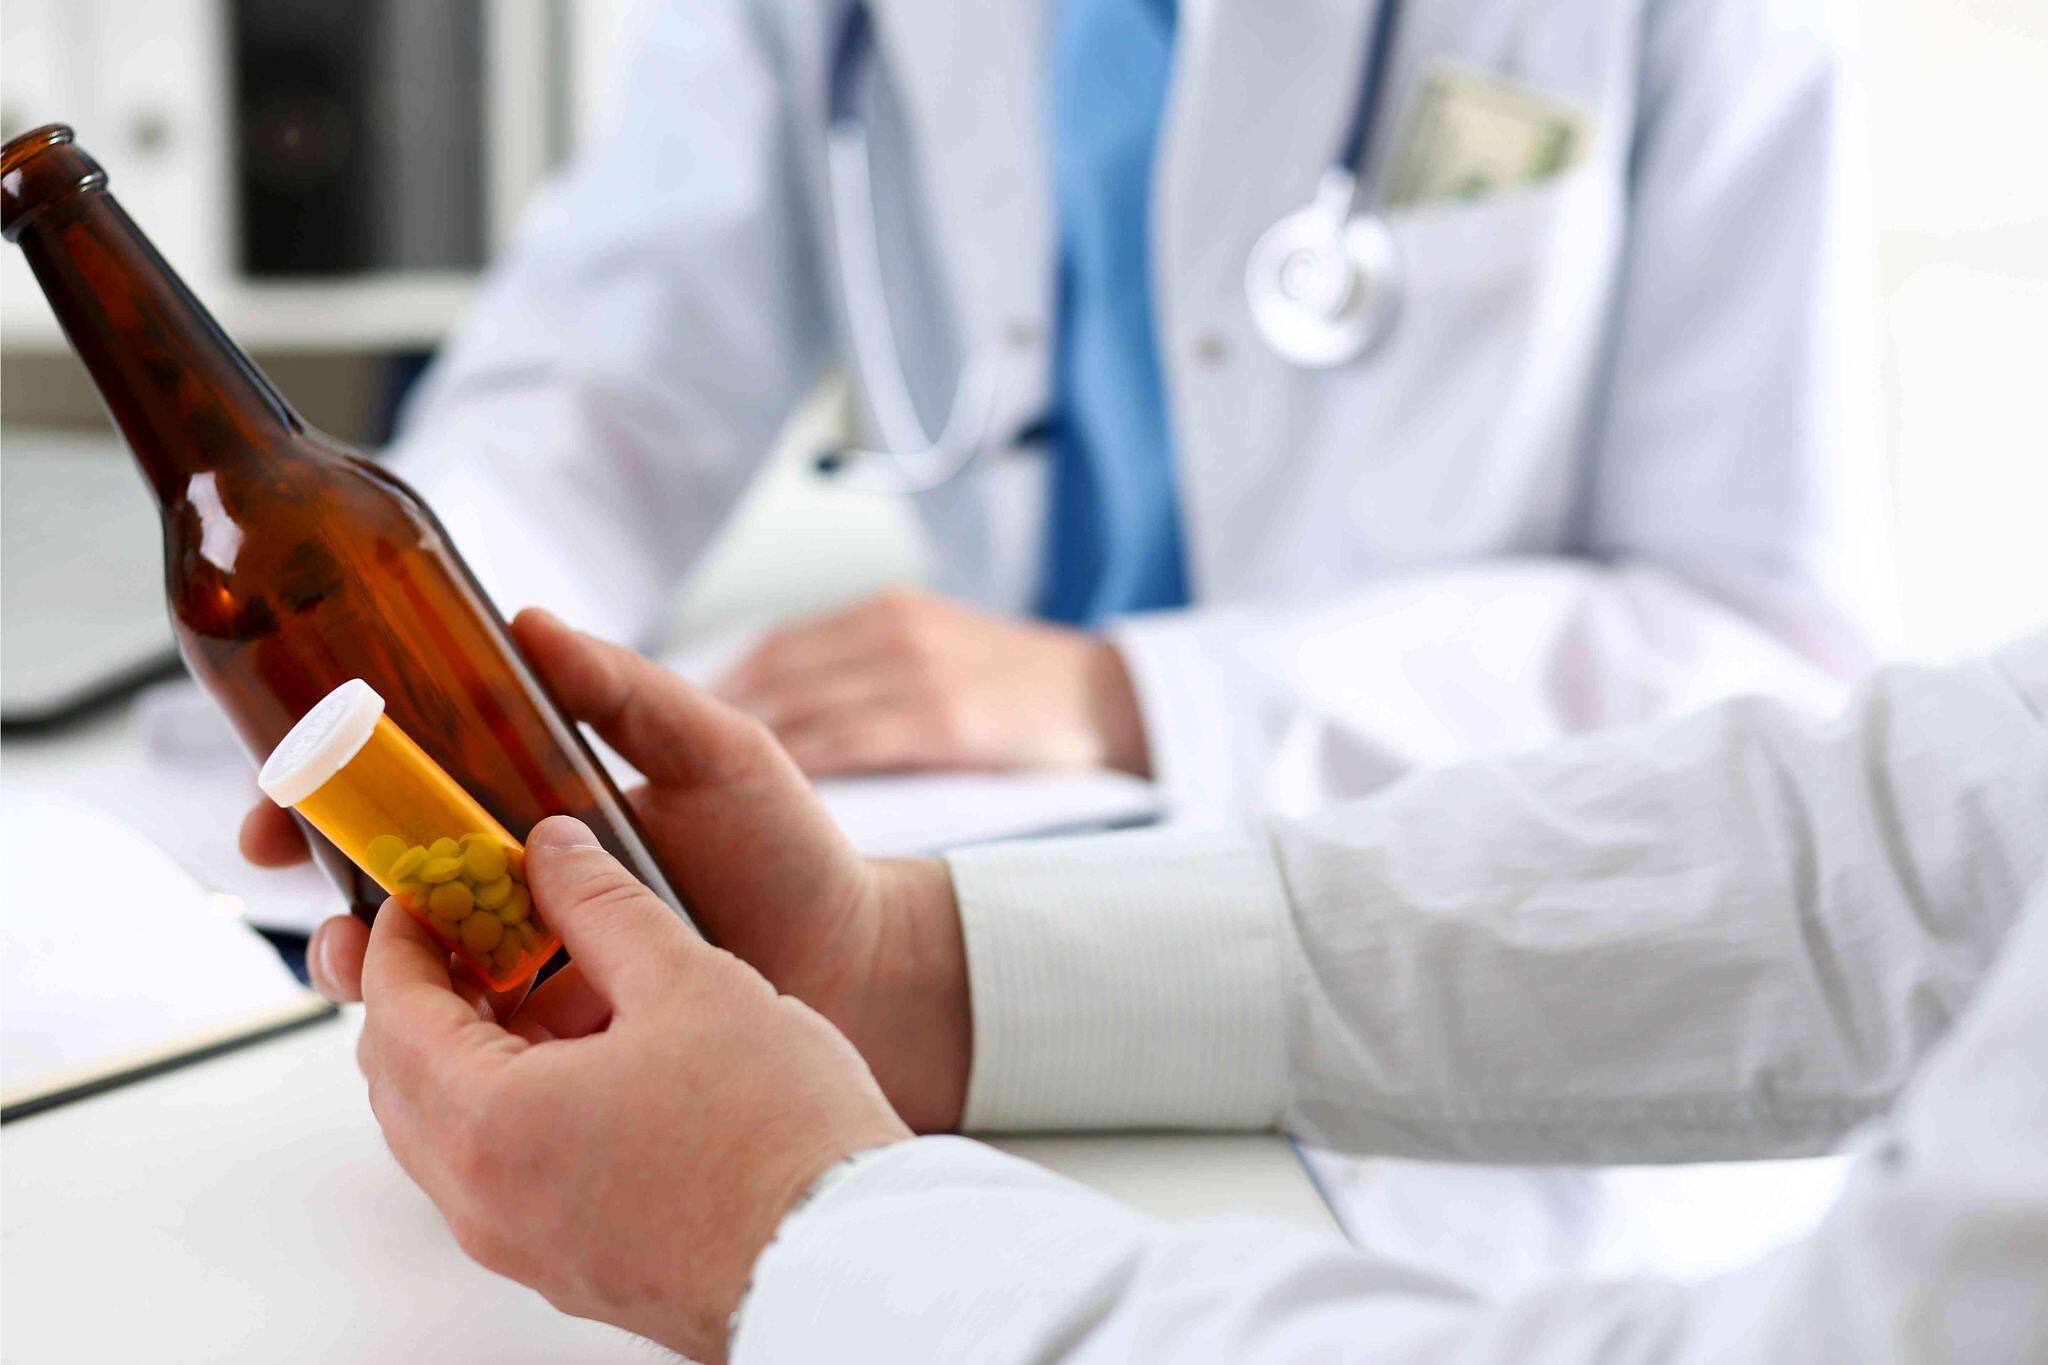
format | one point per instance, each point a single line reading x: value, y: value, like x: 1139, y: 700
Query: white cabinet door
x: 143, y: 83
x: 160, y: 126
x: 44, y: 53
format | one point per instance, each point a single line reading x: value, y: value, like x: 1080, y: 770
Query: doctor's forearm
x: 1113, y: 707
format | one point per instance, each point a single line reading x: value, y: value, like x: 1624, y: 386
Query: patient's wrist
x: 920, y: 1030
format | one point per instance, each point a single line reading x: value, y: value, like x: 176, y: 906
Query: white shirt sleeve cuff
x: 1126, y: 981
x: 1191, y: 728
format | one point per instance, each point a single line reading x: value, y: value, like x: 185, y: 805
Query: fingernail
x: 562, y: 831
x: 323, y: 958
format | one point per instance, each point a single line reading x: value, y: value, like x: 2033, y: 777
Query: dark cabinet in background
x: 359, y: 135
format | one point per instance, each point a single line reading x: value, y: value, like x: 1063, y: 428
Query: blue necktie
x: 1113, y: 544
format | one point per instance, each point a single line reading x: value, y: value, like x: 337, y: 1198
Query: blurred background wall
x: 1958, y: 93
x: 219, y: 121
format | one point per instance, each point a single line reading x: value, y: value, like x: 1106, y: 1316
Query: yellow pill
x: 510, y: 952
x: 491, y: 895
x: 517, y: 906
x: 483, y: 861
x: 384, y: 850
x: 480, y: 933
x: 444, y: 847
x: 411, y: 895
x: 440, y: 870
x: 450, y: 902
x: 515, y: 864
x: 407, y: 864
x: 529, y: 933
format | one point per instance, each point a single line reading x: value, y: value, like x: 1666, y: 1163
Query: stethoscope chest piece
x: 1324, y: 283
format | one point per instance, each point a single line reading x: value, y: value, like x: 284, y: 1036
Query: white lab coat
x: 1610, y: 463
x: 1735, y: 935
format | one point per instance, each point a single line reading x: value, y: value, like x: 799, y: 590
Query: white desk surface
x: 245, y: 1209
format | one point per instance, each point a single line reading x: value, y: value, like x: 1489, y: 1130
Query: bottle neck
x: 185, y: 396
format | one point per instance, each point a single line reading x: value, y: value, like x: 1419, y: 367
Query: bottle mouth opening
x: 20, y: 149
x: 40, y: 168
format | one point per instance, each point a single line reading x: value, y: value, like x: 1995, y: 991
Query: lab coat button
x: 1018, y: 333
x: 1211, y: 348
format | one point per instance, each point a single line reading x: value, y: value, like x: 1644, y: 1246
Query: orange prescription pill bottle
x: 362, y: 782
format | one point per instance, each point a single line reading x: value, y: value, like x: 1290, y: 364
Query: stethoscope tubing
x: 1354, y: 242
x: 911, y: 461
x: 1365, y: 107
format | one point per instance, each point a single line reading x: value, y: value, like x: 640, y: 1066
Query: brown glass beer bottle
x: 291, y: 563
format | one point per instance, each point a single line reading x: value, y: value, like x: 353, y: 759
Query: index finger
x: 660, y: 724
x: 270, y: 837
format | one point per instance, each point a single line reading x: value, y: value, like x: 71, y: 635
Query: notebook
x: 114, y: 963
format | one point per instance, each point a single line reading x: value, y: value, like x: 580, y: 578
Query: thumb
x: 666, y: 728
x: 628, y: 944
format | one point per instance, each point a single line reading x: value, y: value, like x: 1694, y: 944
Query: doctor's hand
x: 873, y: 945
x: 906, y: 679
x: 626, y: 1143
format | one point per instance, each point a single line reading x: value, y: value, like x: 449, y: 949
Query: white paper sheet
x: 907, y: 813
x: 185, y: 783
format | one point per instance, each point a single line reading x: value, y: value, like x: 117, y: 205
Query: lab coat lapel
x: 971, y: 78
x: 1260, y: 97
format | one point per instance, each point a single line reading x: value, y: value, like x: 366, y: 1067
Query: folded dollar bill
x: 1470, y: 133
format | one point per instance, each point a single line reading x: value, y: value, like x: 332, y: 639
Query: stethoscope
x: 1324, y: 285
x: 1324, y: 282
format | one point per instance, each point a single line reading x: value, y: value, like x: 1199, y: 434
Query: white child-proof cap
x: 322, y: 743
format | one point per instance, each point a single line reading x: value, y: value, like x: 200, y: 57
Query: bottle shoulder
x: 286, y: 487
x: 274, y: 536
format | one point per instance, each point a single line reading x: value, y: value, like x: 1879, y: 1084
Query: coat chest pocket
x: 1469, y: 263
x: 1454, y: 436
